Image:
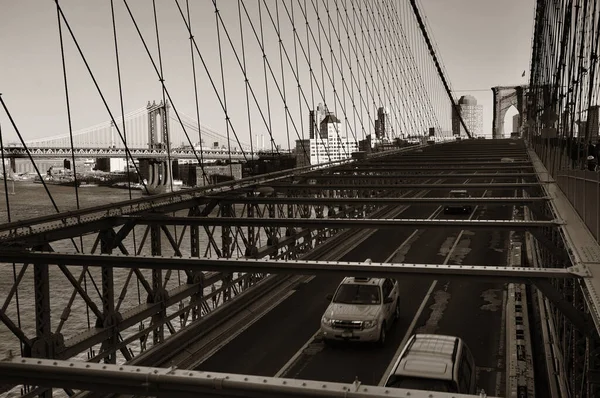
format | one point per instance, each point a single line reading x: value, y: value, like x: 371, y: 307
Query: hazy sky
x: 482, y: 43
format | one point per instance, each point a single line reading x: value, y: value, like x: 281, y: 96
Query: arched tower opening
x: 506, y: 97
x: 512, y: 122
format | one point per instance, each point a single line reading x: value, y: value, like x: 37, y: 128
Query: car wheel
x: 382, y: 335
x: 397, y: 311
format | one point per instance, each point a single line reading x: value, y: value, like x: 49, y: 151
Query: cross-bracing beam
x: 374, y: 175
x: 172, y: 382
x: 299, y: 267
x: 431, y: 169
x: 486, y: 200
x: 341, y: 223
x: 497, y: 185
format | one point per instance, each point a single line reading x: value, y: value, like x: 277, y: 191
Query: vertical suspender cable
x: 196, y: 101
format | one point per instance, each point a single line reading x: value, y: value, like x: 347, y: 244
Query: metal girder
x: 341, y: 223
x: 422, y: 157
x: 171, y: 382
x: 583, y: 248
x: 383, y: 201
x: 444, y: 162
x: 412, y: 168
x: 288, y: 186
x: 372, y: 175
x: 300, y: 267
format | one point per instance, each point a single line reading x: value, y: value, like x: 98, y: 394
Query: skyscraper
x: 472, y: 115
x: 328, y: 140
x: 314, y: 121
x: 382, y: 123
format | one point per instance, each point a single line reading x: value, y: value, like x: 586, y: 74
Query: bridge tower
x: 155, y: 130
x: 158, y: 173
x: 504, y: 98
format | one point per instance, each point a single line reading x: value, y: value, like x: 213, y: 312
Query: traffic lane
x: 344, y: 362
x: 473, y: 310
x: 266, y: 346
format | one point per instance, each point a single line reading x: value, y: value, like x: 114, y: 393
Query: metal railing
x: 582, y: 188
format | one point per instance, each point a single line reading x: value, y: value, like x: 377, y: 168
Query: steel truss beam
x: 341, y: 223
x: 171, y: 382
x: 288, y: 186
x: 167, y: 202
x: 299, y: 267
x: 367, y: 167
x: 442, y: 163
x: 487, y: 200
x: 383, y: 174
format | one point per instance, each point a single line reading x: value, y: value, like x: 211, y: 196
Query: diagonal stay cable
x: 84, y: 59
x: 139, y: 32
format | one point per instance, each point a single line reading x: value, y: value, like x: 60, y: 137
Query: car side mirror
x: 388, y: 300
x: 329, y: 297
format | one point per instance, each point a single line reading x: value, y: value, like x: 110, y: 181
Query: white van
x: 435, y: 363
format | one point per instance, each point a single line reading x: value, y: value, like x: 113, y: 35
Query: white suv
x: 362, y: 309
x: 435, y: 363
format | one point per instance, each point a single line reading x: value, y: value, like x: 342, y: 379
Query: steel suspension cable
x: 102, y: 97
x: 217, y: 16
x: 212, y: 80
x: 156, y: 70
x: 205, y: 178
x: 8, y: 216
x: 246, y: 82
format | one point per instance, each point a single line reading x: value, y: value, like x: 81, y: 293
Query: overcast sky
x: 482, y: 43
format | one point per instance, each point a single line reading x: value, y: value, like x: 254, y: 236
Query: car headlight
x: 326, y: 321
x: 369, y: 324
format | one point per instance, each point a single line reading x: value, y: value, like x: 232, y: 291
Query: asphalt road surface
x: 471, y: 310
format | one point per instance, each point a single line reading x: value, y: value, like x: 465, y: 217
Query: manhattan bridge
x: 220, y: 290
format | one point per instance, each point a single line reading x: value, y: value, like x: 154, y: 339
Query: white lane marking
x: 422, y: 306
x: 245, y: 326
x: 413, y: 323
x: 435, y: 213
x: 297, y: 355
x: 293, y: 359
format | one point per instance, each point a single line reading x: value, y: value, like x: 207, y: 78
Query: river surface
x: 30, y: 200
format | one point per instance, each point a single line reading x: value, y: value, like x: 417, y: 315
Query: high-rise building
x: 330, y: 144
x: 471, y: 113
x: 314, y: 120
x: 382, y: 124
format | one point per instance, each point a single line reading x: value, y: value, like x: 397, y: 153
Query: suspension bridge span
x: 222, y: 290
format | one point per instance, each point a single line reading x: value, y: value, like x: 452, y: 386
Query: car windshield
x: 420, y: 383
x: 357, y: 294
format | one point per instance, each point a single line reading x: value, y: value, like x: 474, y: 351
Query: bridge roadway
x: 473, y: 311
